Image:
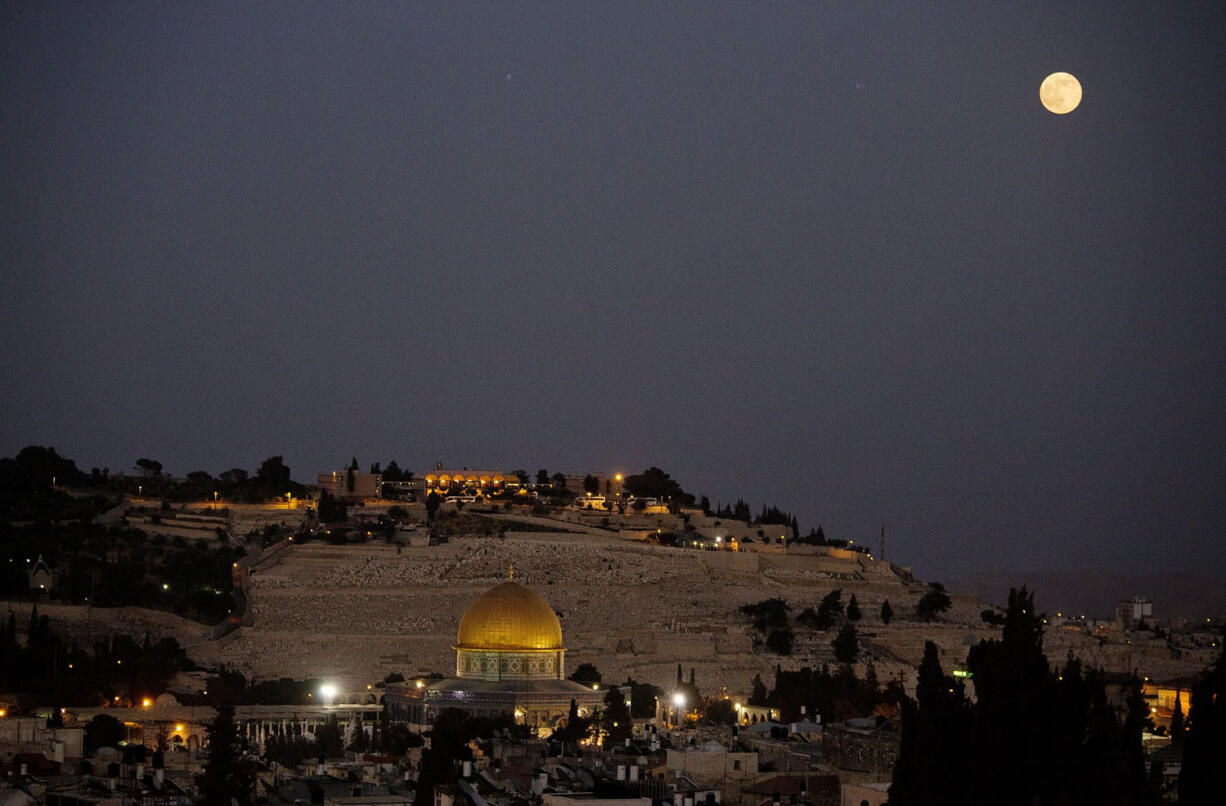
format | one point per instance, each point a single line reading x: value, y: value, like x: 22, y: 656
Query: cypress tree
x: 228, y: 778
x: 853, y: 609
x: 1177, y: 721
x: 1203, y: 777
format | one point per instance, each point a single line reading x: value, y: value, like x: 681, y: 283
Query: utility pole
x: 883, y: 541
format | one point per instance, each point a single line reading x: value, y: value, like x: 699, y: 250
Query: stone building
x: 350, y: 485
x: 509, y: 660
x: 860, y: 750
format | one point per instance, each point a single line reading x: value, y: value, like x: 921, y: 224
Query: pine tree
x: 887, y: 612
x: 853, y: 609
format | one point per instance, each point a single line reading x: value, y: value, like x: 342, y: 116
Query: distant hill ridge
x: 1094, y: 592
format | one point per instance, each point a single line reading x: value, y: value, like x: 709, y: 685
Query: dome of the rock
x: 509, y: 617
x: 509, y: 659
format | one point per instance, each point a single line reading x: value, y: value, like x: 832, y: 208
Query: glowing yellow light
x: 146, y: 702
x: 420, y: 684
x: 1060, y: 93
x: 3, y: 712
x: 178, y: 728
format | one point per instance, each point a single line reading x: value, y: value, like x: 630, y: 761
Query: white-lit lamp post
x: 327, y: 692
x: 678, y: 707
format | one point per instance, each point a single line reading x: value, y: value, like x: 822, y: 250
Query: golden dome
x: 509, y: 617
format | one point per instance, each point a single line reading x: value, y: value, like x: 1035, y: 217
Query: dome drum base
x: 494, y: 664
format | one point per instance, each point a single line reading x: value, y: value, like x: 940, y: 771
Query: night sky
x: 834, y: 257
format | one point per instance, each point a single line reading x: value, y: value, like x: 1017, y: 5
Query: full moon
x: 1060, y: 93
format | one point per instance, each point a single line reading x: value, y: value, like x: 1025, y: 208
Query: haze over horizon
x: 834, y: 258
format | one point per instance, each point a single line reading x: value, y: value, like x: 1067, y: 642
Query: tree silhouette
x: 229, y: 778
x: 273, y: 470
x: 103, y: 730
x: 853, y: 609
x: 615, y: 720
x: 330, y: 737
x: 846, y: 644
x: 780, y: 641
x: 1031, y: 736
x: 768, y: 614
x: 586, y: 673
x: 758, y: 697
x: 1203, y: 777
x: 829, y: 610
x: 935, y: 601
x: 936, y: 733
x: 1177, y: 721
x: 151, y: 468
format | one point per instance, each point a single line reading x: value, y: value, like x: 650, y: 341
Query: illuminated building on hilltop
x: 509, y: 660
x: 476, y: 482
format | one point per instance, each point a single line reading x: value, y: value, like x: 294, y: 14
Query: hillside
x: 632, y: 609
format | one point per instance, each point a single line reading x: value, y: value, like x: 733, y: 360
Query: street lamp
x: 678, y: 706
x: 327, y: 692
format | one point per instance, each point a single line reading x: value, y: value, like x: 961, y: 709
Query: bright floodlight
x: 679, y: 700
x: 328, y: 692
